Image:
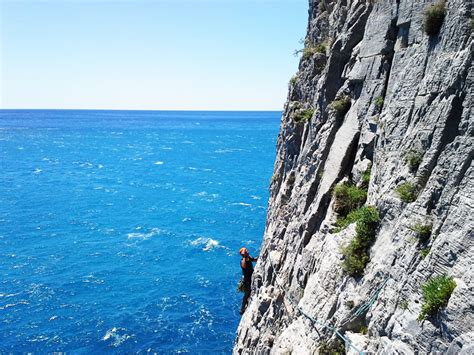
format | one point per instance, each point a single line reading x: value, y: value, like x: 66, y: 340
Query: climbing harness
x: 360, y: 311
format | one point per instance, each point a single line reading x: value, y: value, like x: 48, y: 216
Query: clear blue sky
x: 169, y: 54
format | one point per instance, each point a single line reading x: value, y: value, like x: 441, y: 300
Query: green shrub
x: 356, y: 254
x: 348, y: 197
x: 408, y: 192
x: 366, y: 176
x: 341, y: 105
x: 309, y: 51
x: 423, y: 231
x: 379, y: 103
x: 303, y: 115
x: 352, y: 217
x: 413, y: 159
x: 436, y: 293
x: 424, y: 252
x: 321, y: 47
x: 434, y: 17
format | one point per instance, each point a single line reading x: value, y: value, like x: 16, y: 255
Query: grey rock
x: 301, y: 298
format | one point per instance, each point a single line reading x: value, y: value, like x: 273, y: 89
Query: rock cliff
x: 373, y: 189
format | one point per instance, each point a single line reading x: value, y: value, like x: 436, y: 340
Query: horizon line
x: 117, y: 109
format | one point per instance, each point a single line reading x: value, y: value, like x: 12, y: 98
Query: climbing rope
x: 360, y: 311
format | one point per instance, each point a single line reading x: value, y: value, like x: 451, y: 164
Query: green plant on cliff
x: 436, y: 293
x: 434, y: 17
x: 352, y: 217
x: 309, y: 51
x: 341, y: 105
x: 423, y: 231
x: 356, y: 253
x: 408, y: 192
x: 424, y: 252
x: 348, y: 197
x: 366, y: 176
x: 378, y: 102
x: 303, y: 115
x: 413, y: 159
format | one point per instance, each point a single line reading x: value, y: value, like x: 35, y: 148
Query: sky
x: 149, y: 55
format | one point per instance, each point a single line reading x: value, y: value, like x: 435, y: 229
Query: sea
x: 120, y: 230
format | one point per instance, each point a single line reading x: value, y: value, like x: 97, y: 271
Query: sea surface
x: 120, y: 230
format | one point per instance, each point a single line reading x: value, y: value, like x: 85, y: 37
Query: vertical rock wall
x: 409, y: 92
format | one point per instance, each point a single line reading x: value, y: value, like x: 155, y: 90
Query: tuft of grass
x: 356, y: 254
x: 366, y: 176
x: 423, y: 231
x: 341, y: 105
x: 436, y: 293
x: 424, y: 252
x: 348, y: 197
x: 303, y: 115
x: 434, y: 17
x: 408, y: 192
x: 378, y: 102
x: 413, y: 159
x: 363, y: 330
x: 403, y: 304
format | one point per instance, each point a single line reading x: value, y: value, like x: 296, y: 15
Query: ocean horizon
x: 120, y: 229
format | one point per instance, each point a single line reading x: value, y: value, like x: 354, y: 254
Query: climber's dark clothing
x: 247, y: 271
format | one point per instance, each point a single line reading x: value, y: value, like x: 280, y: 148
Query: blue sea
x: 120, y: 230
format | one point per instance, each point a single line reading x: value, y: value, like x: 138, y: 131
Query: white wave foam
x: 144, y: 236
x: 242, y: 204
x: 13, y: 305
x: 207, y: 243
x: 116, y: 336
x: 230, y: 150
x: 37, y: 171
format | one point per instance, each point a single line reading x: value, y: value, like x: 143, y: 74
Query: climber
x: 247, y: 270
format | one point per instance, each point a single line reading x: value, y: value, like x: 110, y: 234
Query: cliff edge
x: 368, y: 244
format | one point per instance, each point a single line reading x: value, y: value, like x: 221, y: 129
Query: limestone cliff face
x: 397, y: 91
